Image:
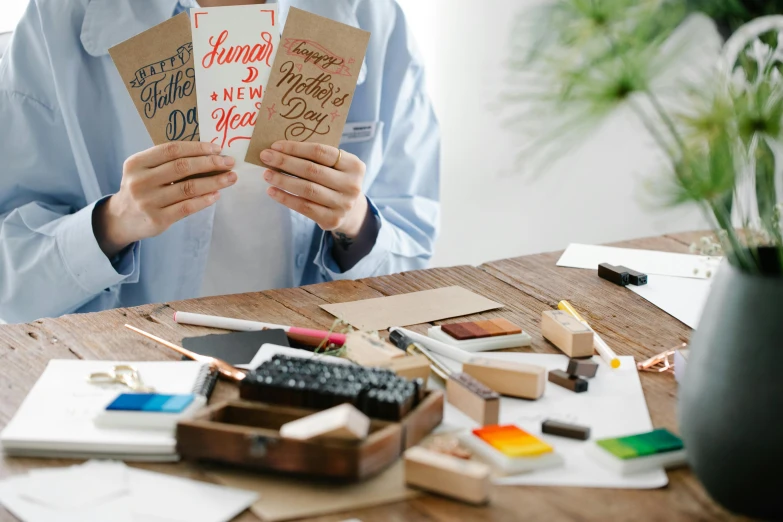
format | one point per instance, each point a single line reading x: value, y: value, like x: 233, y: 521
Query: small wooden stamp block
x: 508, y: 378
x: 341, y: 422
x: 564, y: 331
x: 465, y: 480
x: 571, y: 382
x: 634, y: 277
x: 613, y: 274
x: 582, y: 368
x: 367, y: 350
x: 564, y: 429
x: 473, y: 398
x: 410, y: 367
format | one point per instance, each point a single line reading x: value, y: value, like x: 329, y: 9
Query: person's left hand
x: 325, y: 190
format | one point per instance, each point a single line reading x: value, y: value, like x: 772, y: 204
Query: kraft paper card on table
x: 408, y: 309
x: 157, y: 69
x: 312, y: 83
x: 234, y: 48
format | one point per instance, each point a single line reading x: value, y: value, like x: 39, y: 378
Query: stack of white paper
x: 104, y: 490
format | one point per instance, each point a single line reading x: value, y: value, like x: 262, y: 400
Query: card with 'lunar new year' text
x: 233, y: 48
x: 312, y: 83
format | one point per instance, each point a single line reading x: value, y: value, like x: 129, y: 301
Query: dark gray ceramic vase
x: 731, y: 400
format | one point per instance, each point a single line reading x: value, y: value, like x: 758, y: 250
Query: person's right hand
x: 153, y: 195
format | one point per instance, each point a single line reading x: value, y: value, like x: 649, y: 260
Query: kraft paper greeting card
x: 234, y: 48
x: 157, y: 69
x: 312, y: 83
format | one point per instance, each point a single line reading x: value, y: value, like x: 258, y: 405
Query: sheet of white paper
x: 172, y: 498
x: 116, y: 509
x: 149, y: 496
x: 268, y: 351
x: 233, y: 51
x: 76, y: 487
x: 682, y: 298
x: 614, y: 406
x: 645, y: 261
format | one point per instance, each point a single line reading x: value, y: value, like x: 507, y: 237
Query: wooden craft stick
x: 465, y: 480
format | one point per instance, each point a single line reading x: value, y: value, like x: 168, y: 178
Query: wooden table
x: 526, y: 285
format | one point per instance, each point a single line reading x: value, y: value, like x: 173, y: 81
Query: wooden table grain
x: 526, y: 285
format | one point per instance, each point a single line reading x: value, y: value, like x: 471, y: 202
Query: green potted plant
x: 717, y: 117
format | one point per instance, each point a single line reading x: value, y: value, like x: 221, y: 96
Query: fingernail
x: 267, y: 156
x: 215, y: 148
x: 231, y: 177
x: 214, y: 196
x: 228, y: 161
x: 271, y: 191
x: 277, y: 146
x: 268, y: 175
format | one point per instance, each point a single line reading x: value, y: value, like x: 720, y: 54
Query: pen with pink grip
x: 304, y: 335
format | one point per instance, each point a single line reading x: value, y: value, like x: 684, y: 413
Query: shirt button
x: 300, y: 260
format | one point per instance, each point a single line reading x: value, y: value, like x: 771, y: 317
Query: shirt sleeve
x: 405, y: 194
x: 50, y: 261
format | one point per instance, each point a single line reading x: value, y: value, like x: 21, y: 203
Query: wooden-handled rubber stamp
x: 341, y: 422
x: 567, y: 333
x: 473, y: 398
x: 564, y: 429
x: 613, y: 274
x: 367, y: 350
x: 582, y: 368
x: 508, y: 378
x: 465, y: 480
x: 634, y: 277
x: 571, y: 382
x: 410, y: 367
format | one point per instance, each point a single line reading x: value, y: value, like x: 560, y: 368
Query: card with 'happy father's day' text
x: 312, y: 83
x: 234, y: 48
x: 156, y: 67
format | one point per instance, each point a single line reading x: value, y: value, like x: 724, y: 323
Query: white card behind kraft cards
x: 234, y: 48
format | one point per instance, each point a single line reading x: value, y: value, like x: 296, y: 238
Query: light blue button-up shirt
x: 67, y: 124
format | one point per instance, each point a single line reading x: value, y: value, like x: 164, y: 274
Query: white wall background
x: 490, y: 210
x: 10, y: 13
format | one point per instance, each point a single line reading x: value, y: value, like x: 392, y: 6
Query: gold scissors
x: 121, y: 374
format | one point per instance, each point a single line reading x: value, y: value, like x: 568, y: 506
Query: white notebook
x: 56, y: 418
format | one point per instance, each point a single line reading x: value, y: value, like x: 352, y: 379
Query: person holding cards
x: 94, y: 216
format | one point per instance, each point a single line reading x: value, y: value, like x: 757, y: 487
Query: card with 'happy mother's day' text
x: 312, y: 83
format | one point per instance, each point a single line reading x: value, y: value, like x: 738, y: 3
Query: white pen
x: 436, y: 346
x: 242, y: 325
